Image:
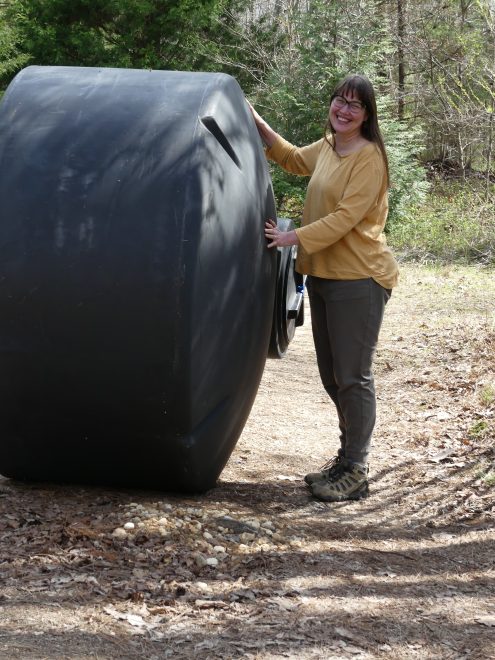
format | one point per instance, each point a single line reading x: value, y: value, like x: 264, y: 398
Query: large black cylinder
x: 136, y: 289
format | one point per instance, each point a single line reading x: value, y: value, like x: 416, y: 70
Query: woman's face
x: 347, y: 113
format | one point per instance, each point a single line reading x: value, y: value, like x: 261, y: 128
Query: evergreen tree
x: 161, y: 34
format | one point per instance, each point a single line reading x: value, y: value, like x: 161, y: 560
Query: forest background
x: 432, y: 63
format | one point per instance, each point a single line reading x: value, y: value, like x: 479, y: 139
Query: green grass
x: 478, y: 429
x: 455, y: 224
x: 486, y: 475
x: 487, y: 395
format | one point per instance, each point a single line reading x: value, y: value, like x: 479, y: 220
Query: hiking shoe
x: 348, y: 481
x: 325, y: 471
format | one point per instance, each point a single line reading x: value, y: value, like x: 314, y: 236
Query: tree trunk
x: 401, y: 29
x: 489, y: 156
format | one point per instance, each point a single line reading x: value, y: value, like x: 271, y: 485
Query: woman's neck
x: 347, y: 144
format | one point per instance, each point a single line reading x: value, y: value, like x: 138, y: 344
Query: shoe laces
x: 335, y: 460
x: 340, y: 469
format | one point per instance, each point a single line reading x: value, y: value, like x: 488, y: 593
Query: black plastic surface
x: 136, y: 290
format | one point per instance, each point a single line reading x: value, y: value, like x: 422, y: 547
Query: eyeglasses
x: 354, y: 106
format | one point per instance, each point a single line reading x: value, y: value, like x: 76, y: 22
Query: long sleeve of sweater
x: 296, y: 160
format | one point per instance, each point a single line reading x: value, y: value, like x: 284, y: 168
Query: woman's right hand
x: 277, y: 238
x: 267, y: 134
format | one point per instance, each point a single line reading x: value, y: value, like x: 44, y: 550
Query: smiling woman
x: 350, y: 269
x: 346, y: 117
x: 353, y: 117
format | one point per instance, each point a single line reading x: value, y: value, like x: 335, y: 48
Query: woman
x: 351, y: 271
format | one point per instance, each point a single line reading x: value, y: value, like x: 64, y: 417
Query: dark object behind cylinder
x: 136, y: 290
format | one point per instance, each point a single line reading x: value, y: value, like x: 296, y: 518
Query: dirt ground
x: 257, y: 569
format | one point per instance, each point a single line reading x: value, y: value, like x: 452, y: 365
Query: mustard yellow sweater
x: 341, y: 234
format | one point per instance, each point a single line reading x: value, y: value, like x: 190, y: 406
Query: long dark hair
x: 362, y: 88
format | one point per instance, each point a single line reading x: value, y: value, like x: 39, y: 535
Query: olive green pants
x: 346, y: 316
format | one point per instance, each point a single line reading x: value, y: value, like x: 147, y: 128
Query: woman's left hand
x: 279, y: 238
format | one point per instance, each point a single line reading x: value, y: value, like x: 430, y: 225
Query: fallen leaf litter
x: 255, y: 568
